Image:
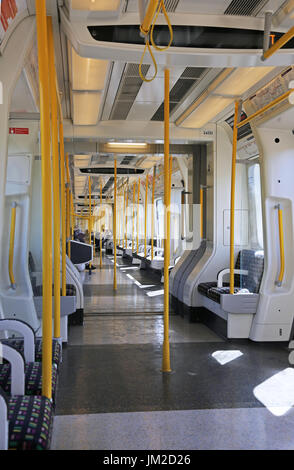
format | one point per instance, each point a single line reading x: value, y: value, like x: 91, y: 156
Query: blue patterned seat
x: 249, y: 260
x: 18, y: 344
x: 30, y: 422
x: 33, y: 379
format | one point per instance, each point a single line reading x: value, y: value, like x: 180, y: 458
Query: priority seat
x: 250, y: 263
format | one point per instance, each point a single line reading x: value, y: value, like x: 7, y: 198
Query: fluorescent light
x: 206, y: 111
x: 126, y: 144
x: 88, y: 74
x: 242, y: 80
x: 86, y: 108
x: 220, y: 94
x: 96, y: 5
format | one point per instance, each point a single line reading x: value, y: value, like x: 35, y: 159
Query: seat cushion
x: 33, y: 379
x: 18, y: 344
x: 70, y: 290
x: 215, y: 293
x: 30, y: 423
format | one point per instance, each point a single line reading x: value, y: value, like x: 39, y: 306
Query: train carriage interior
x: 147, y: 225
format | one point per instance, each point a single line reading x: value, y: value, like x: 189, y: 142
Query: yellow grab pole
x: 149, y: 15
x: 138, y: 215
x: 11, y: 245
x: 166, y: 350
x: 72, y: 216
x: 265, y: 108
x: 146, y: 208
x: 114, y: 229
x: 133, y: 221
x: 67, y: 207
x: 279, y: 44
x: 282, y: 248
x: 90, y: 215
x: 233, y: 189
x: 201, y: 213
x: 101, y: 225
x: 42, y: 39
x: 124, y: 220
x: 126, y: 230
x: 55, y: 168
x: 63, y: 212
x: 152, y: 212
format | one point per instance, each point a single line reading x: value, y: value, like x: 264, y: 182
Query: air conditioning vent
x: 243, y: 131
x: 127, y: 92
x: 171, y: 5
x: 181, y: 88
x: 245, y: 7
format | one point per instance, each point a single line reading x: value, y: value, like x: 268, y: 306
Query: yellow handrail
x: 101, y: 225
x: 114, y: 228
x: 161, y: 6
x: 67, y: 206
x: 149, y: 15
x: 152, y: 212
x: 146, y: 208
x: 11, y: 245
x: 42, y: 39
x: 55, y: 168
x: 90, y: 216
x: 265, y: 108
x: 282, y: 248
x: 279, y: 44
x: 63, y: 204
x: 201, y: 213
x: 233, y: 189
x: 133, y: 220
x: 126, y: 228
x: 166, y: 349
x: 138, y: 215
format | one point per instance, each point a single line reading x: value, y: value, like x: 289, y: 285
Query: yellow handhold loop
x: 162, y: 7
x: 147, y: 46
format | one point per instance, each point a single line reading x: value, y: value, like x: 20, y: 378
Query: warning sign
x: 19, y: 130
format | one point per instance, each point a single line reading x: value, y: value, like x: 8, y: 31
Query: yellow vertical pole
x: 166, y: 348
x: 100, y: 224
x: 138, y: 215
x: 124, y: 221
x: 233, y: 188
x: 152, y: 213
x: 146, y: 208
x: 90, y: 214
x: 55, y: 167
x: 46, y: 198
x: 63, y: 212
x: 72, y: 216
x: 133, y: 221
x: 201, y: 213
x: 126, y: 230
x: 114, y: 228
x: 67, y: 206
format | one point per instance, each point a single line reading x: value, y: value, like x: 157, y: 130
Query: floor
x: 113, y: 395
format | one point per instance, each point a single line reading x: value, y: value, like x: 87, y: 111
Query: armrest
x: 222, y: 273
x: 17, y: 369
x: 3, y: 423
x: 26, y: 332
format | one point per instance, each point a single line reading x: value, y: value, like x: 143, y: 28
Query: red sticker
x: 19, y: 130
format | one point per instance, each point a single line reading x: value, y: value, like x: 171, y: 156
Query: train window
x: 254, y: 195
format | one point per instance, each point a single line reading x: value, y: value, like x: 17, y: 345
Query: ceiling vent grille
x: 245, y: 7
x: 127, y: 160
x: 244, y: 131
x: 171, y: 5
x: 127, y: 92
x: 181, y: 88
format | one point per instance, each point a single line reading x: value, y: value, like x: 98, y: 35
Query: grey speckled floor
x: 232, y: 429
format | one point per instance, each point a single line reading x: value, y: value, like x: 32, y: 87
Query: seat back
x: 253, y: 262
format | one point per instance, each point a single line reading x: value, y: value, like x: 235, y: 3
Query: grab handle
x: 282, y: 251
x: 11, y: 245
